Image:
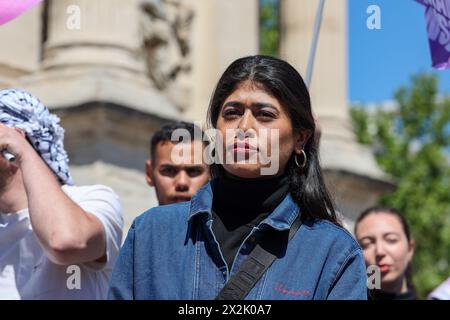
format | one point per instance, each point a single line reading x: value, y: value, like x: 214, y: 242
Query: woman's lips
x: 243, y: 147
x: 384, y: 268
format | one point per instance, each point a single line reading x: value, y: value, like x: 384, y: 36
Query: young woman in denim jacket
x: 190, y: 250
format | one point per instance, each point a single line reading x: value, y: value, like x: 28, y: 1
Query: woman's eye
x: 230, y: 112
x: 365, y: 245
x: 266, y: 115
x: 392, y: 240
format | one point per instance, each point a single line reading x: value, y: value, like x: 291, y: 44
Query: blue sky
x: 380, y: 61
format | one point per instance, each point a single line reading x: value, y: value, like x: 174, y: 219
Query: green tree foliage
x: 411, y: 143
x: 269, y: 27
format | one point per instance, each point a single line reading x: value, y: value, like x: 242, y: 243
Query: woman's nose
x: 379, y: 249
x: 246, y: 125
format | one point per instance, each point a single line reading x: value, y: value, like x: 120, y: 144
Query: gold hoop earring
x: 305, y: 159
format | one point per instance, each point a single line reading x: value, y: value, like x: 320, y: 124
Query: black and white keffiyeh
x: 20, y: 109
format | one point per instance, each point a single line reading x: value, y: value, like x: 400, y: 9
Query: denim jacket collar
x: 280, y: 219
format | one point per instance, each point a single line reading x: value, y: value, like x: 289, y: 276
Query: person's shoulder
x: 332, y: 233
x: 86, y: 190
x: 174, y: 217
x: 165, y: 214
x: 95, y: 199
x: 92, y: 193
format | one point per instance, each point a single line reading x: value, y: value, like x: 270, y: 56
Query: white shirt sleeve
x: 102, y: 202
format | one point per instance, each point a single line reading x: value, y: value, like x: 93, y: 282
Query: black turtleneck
x: 241, y: 204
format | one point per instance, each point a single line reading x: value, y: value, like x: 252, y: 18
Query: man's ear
x: 148, y: 173
x: 301, y: 137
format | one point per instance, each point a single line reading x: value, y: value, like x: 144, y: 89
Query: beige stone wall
x: 108, y: 35
x: 223, y: 31
x: 21, y: 46
x: 328, y: 88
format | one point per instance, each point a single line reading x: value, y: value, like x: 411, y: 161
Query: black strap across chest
x: 251, y: 270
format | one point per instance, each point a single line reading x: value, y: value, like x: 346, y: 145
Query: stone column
x: 20, y: 46
x: 108, y: 34
x: 100, y: 59
x: 351, y: 170
x: 329, y: 82
x: 223, y: 31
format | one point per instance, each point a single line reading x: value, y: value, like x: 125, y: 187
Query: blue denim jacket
x: 171, y: 253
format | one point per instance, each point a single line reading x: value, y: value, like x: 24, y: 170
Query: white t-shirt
x: 442, y: 292
x: 27, y: 273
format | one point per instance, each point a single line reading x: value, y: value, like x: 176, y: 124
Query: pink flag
x: 10, y: 9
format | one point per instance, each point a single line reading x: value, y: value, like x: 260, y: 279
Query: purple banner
x: 437, y: 17
x: 10, y: 9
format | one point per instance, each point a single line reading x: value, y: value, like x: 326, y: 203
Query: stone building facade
x: 115, y: 70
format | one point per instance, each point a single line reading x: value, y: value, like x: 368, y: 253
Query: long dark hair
x: 282, y: 81
x: 405, y: 227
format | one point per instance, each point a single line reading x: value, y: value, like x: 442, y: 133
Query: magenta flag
x: 10, y: 9
x: 437, y: 17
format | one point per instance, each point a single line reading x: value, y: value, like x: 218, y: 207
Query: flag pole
x: 315, y: 38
